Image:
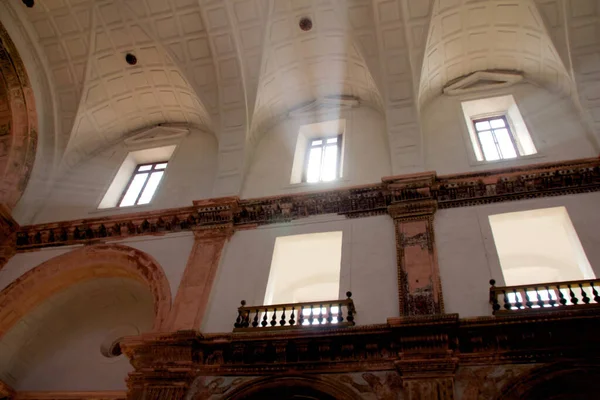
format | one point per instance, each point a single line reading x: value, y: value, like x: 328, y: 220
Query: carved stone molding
x: 74, y: 395
x: 8, y: 235
x: 405, y: 197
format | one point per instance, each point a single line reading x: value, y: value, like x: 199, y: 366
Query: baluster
x: 528, y: 302
x: 518, y: 304
x: 340, y: 316
x: 574, y: 299
x: 311, y: 317
x: 350, y: 317
x: 301, y: 316
x: 551, y: 301
x: 595, y: 292
x: 282, y: 322
x: 329, y: 314
x: 320, y: 319
x: 507, y: 304
x: 264, y: 322
x: 292, y: 322
x: 494, y: 297
x: 274, y: 319
x: 255, y: 321
x: 562, y: 300
x: 238, y: 320
x: 584, y: 296
x: 540, y: 302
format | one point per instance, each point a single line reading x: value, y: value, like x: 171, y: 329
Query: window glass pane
x: 497, y: 123
x: 151, y: 187
x: 329, y: 169
x: 332, y: 140
x: 482, y: 126
x: 314, y: 165
x: 488, y: 146
x: 145, y: 168
x: 134, y: 190
x: 316, y: 142
x: 161, y: 166
x: 506, y: 145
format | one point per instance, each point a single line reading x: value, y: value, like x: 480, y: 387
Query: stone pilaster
x: 412, y: 208
x: 213, y: 231
x: 8, y: 235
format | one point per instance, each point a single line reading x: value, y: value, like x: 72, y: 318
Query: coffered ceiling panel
x: 466, y: 36
x: 303, y: 66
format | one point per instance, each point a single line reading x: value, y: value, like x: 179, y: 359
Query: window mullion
x: 143, y: 187
x: 498, y: 149
x: 323, y: 148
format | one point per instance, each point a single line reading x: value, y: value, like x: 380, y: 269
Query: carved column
x: 214, y: 229
x: 8, y: 235
x: 412, y: 208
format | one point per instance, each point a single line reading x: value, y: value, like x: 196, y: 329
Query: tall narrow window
x: 323, y: 159
x: 495, y: 138
x: 143, y: 184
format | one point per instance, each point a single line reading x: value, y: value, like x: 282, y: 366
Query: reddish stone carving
x: 8, y: 235
x: 18, y: 123
x: 450, y: 191
x: 6, y: 392
x: 194, y: 290
x: 54, y: 275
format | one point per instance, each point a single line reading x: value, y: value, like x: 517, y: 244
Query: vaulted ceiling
x: 234, y: 67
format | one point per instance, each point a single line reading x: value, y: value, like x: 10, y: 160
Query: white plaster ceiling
x: 57, y: 345
x: 303, y: 66
x: 466, y: 36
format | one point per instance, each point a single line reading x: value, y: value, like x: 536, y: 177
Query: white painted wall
x: 467, y: 254
x: 553, y: 123
x: 368, y: 268
x: 366, y: 155
x: 190, y: 176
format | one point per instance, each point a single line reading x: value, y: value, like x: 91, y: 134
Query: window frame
x: 309, y: 147
x: 507, y: 126
x: 137, y: 171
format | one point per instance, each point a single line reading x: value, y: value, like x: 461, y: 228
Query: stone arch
x: 303, y: 384
x: 98, y: 261
x: 563, y: 380
x: 18, y: 123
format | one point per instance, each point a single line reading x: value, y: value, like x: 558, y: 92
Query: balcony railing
x: 545, y: 296
x: 336, y: 313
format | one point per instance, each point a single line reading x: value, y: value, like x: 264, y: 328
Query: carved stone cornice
x: 411, y: 196
x: 426, y: 346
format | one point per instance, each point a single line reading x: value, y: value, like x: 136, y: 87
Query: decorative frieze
x: 402, y: 196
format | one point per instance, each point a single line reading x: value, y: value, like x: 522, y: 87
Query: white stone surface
x: 365, y: 155
x: 552, y: 122
x: 467, y: 254
x: 368, y: 268
x: 57, y: 345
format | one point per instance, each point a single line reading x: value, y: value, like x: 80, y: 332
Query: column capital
x: 407, y: 210
x: 215, y: 217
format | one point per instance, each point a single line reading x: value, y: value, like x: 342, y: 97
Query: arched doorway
x: 560, y: 381
x: 293, y: 388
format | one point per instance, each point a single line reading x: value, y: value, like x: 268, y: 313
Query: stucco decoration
x: 489, y: 35
x: 18, y: 123
x: 97, y: 261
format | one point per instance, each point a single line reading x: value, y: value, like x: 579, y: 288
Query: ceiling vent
x: 482, y: 80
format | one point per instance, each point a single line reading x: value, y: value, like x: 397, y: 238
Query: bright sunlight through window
x: 323, y: 159
x: 143, y: 184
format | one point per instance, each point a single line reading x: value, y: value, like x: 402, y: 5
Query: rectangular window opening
x: 323, y: 159
x: 495, y: 138
x: 143, y: 184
